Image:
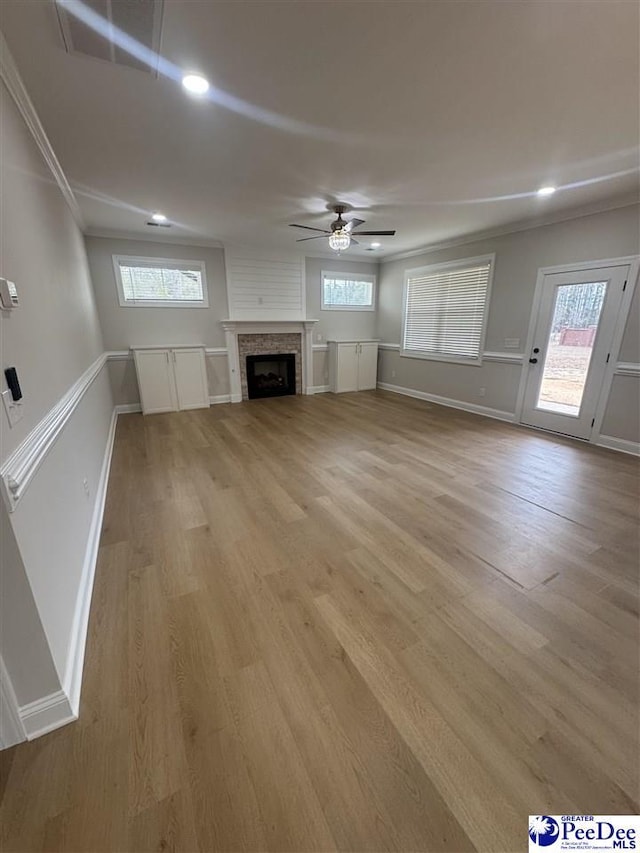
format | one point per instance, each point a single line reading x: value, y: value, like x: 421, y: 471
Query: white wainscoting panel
x: 19, y: 469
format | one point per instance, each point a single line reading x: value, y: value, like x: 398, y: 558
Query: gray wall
x: 518, y: 258
x: 51, y: 338
x: 123, y: 327
x: 337, y: 324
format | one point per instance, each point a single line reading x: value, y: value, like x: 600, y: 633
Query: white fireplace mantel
x: 233, y: 328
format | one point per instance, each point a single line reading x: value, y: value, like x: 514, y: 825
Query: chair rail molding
x: 627, y: 368
x: 19, y: 469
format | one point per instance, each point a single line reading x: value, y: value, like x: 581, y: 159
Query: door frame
x: 633, y: 262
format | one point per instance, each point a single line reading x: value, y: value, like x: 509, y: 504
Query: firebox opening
x: 271, y: 375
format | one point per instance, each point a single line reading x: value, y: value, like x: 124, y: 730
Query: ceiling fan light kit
x: 339, y: 241
x: 341, y: 232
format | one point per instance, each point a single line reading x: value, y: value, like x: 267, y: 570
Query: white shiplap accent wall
x: 265, y: 287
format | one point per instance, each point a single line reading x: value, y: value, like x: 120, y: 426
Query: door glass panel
x: 576, y: 315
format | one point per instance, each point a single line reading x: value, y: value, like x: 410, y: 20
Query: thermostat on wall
x: 8, y: 295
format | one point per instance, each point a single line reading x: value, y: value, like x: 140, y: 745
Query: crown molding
x: 166, y: 239
x: 11, y: 78
x: 521, y: 225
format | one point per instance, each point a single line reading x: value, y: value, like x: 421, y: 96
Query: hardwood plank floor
x: 356, y: 622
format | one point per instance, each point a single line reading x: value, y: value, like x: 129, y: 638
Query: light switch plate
x: 13, y: 409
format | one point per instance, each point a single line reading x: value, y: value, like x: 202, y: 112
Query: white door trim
x: 633, y: 262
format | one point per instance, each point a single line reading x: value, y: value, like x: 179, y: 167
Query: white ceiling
x: 439, y: 119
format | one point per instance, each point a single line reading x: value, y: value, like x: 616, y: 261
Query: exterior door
x: 572, y: 338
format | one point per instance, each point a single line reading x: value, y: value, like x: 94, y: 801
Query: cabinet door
x: 367, y: 366
x: 191, y: 378
x: 155, y: 380
x: 347, y: 368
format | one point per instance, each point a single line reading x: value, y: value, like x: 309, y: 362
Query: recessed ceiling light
x: 196, y: 84
x: 546, y: 190
x: 376, y: 245
x: 158, y: 217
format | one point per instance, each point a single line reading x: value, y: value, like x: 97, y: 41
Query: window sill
x: 447, y: 359
x: 348, y: 308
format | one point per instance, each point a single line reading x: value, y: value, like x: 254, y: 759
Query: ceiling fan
x: 341, y: 233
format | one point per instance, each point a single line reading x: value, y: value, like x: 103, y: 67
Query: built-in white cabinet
x: 171, y: 378
x: 353, y: 365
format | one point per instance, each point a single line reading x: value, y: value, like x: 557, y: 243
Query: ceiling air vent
x: 141, y: 20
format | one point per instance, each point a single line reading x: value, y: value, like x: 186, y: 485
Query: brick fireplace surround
x: 263, y: 345
x: 257, y: 337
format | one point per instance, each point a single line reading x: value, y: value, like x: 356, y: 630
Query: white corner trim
x: 11, y: 728
x: 319, y: 389
x: 498, y: 414
x: 18, y: 470
x: 215, y: 351
x: 627, y: 368
x: 72, y: 682
x: 10, y: 76
x: 219, y: 398
x: 620, y: 444
x: 46, y: 714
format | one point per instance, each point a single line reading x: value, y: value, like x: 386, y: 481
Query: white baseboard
x: 45, y: 715
x: 220, y: 398
x: 320, y: 389
x: 127, y: 408
x: 72, y: 682
x: 620, y: 444
x: 498, y: 414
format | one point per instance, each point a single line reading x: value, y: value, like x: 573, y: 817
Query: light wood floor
x: 353, y: 622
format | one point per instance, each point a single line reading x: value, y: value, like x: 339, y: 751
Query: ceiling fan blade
x: 353, y: 223
x: 354, y: 242
x: 375, y: 233
x: 317, y: 237
x: 309, y: 228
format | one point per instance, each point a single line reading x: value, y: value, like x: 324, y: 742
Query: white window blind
x: 341, y: 290
x: 160, y: 281
x: 445, y: 310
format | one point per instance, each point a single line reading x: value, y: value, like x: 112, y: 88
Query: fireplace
x: 271, y: 375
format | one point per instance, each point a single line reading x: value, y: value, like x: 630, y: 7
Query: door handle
x: 533, y: 361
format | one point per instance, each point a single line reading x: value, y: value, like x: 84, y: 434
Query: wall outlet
x: 482, y: 392
x: 393, y: 374
x: 318, y: 337
x: 511, y: 343
x: 12, y: 407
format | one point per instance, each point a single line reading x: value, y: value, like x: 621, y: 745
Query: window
x: 342, y: 291
x: 160, y: 282
x: 445, y: 310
